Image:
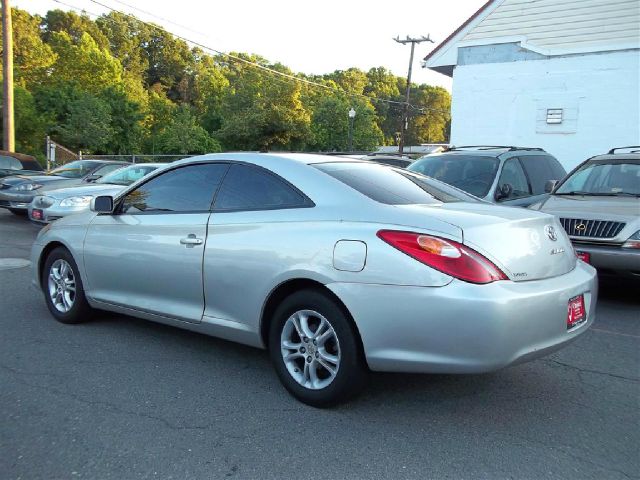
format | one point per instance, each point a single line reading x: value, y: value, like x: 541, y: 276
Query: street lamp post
x: 352, y: 116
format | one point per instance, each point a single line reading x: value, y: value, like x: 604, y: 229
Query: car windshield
x: 127, y: 175
x: 613, y: 178
x: 77, y: 169
x: 472, y: 173
x: 392, y: 185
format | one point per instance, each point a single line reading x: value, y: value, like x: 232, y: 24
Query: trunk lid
x: 519, y: 241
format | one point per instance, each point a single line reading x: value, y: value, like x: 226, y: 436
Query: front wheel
x: 62, y: 288
x: 315, y: 349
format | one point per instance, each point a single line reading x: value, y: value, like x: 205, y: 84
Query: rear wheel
x: 315, y: 349
x: 62, y: 288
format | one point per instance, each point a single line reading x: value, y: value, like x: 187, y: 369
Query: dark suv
x: 517, y: 176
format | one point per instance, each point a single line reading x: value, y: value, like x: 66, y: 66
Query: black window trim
x: 118, y: 202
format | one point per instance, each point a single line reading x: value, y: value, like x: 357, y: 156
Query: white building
x: 563, y: 75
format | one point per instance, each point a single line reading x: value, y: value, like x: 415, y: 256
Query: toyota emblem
x: 551, y: 232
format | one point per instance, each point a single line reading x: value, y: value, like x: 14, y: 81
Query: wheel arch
x: 288, y: 287
x: 50, y: 247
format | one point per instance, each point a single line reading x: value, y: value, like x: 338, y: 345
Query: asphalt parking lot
x: 121, y: 398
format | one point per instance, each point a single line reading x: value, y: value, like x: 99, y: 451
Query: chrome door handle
x: 191, y: 241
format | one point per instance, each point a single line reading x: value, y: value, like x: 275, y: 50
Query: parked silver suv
x: 598, y: 205
x: 514, y: 176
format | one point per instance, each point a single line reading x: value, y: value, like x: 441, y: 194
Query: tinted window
x: 393, y: 186
x: 252, y: 188
x: 9, y: 163
x: 185, y: 189
x: 513, y: 175
x: 77, y: 169
x: 540, y: 169
x: 473, y: 174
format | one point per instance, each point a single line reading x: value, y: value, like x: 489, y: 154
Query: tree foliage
x: 120, y: 85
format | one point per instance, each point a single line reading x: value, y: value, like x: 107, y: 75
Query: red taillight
x: 448, y: 256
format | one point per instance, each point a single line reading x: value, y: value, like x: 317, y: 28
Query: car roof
x: 265, y: 159
x: 18, y: 156
x: 635, y: 157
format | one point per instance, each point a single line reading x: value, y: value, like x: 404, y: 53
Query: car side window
x: 181, y: 190
x: 539, y: 169
x: 108, y: 168
x: 10, y: 163
x: 253, y: 188
x: 513, y: 181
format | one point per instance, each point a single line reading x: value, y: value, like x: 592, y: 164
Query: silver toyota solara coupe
x: 337, y: 266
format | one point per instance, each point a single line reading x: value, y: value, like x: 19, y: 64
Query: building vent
x: 554, y: 115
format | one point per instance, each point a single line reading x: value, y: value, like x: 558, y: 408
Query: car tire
x: 20, y: 213
x: 62, y: 288
x: 326, y: 368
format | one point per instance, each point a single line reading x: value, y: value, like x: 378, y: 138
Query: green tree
x: 87, y: 126
x: 261, y: 112
x: 330, y: 125
x: 32, y: 58
x: 126, y: 122
x: 184, y: 136
x: 84, y: 63
x: 74, y: 25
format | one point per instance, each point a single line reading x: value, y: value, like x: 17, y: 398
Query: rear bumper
x: 466, y: 328
x: 612, y: 258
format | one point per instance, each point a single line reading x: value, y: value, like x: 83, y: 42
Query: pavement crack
x: 588, y: 370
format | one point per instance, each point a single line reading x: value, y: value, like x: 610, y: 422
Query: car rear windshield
x: 77, y: 169
x: 391, y: 185
x: 472, y: 173
x: 615, y: 177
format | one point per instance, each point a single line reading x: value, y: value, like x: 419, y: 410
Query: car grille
x: 576, y: 227
x: 4, y: 203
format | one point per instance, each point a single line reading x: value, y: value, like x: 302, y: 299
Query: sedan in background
x: 336, y: 266
x: 58, y: 203
x: 514, y: 176
x: 17, y: 192
x: 598, y: 205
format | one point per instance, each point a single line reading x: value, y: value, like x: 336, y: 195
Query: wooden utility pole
x: 405, y: 107
x: 8, y: 137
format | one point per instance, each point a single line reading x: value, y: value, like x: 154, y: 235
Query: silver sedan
x: 337, y: 266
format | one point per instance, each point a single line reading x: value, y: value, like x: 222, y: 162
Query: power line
x: 275, y: 73
x: 251, y: 63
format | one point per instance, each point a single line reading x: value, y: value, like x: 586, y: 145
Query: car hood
x: 515, y: 239
x: 45, y: 180
x: 87, y: 189
x: 586, y: 207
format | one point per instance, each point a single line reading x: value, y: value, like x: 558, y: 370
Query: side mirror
x: 504, y: 191
x: 93, y: 178
x: 550, y: 185
x: 102, y: 204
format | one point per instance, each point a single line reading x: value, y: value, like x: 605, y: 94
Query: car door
x: 148, y: 254
x: 254, y: 233
x: 513, y: 188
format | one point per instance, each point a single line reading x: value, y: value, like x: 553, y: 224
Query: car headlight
x: 633, y: 241
x: 27, y: 187
x: 80, y: 201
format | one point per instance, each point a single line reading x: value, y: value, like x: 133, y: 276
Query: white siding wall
x: 505, y: 104
x: 562, y: 24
